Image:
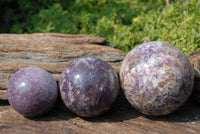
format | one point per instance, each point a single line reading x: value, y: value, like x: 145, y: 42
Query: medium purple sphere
x: 88, y: 86
x: 156, y: 78
x: 32, y: 91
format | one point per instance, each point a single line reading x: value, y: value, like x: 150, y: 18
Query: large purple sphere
x: 88, y: 86
x: 156, y: 78
x: 32, y: 91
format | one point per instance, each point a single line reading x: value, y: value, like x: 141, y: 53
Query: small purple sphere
x: 32, y: 91
x: 89, y: 86
x: 156, y: 78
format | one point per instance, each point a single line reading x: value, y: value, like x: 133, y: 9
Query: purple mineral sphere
x: 156, y: 78
x: 32, y: 91
x: 88, y: 86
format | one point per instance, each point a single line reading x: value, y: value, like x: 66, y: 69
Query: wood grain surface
x: 122, y: 118
x: 50, y: 51
x: 194, y: 58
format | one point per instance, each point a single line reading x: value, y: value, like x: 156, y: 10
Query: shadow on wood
x: 189, y: 112
x: 121, y: 111
x: 58, y: 113
x: 121, y: 118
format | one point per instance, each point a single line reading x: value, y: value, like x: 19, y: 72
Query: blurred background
x: 126, y: 23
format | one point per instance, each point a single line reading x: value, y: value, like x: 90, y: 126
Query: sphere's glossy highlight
x: 89, y: 86
x: 32, y: 91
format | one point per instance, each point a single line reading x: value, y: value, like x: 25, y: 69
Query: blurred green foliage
x: 125, y: 23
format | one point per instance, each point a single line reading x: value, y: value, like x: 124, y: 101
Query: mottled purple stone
x: 156, y: 78
x: 32, y: 91
x: 89, y: 86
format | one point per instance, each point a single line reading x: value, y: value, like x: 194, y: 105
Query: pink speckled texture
x: 157, y: 78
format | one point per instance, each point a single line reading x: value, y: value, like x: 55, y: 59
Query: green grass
x: 126, y: 23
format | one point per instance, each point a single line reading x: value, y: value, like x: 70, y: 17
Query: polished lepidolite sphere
x: 156, y: 77
x: 32, y: 91
x: 88, y: 86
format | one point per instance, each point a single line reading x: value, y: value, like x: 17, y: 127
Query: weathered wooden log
x: 53, y: 52
x: 122, y: 118
x: 50, y: 51
x: 194, y: 58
